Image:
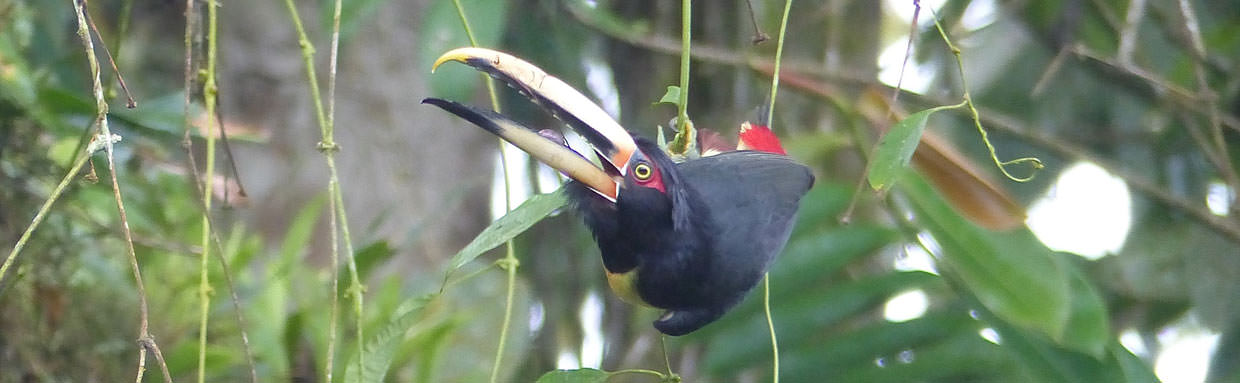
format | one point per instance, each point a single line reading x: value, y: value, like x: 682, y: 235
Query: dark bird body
x: 691, y: 238
x: 736, y: 216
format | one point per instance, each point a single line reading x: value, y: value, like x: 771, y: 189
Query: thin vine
x: 509, y: 263
x: 770, y: 119
x: 977, y: 121
x: 197, y: 180
x: 209, y: 90
x: 338, y: 219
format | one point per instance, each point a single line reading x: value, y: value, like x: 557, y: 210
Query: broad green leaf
x: 442, y: 31
x: 382, y: 345
x: 509, y: 226
x: 814, y: 258
x: 584, y: 375
x: 1131, y: 368
x: 427, y: 349
x: 1011, y: 273
x: 746, y: 339
x: 895, y: 149
x: 671, y: 97
x: 1043, y: 361
x: 962, y: 357
x: 1089, y: 328
x: 881, y: 339
x: 821, y: 208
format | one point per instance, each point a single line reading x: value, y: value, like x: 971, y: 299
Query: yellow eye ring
x: 642, y: 172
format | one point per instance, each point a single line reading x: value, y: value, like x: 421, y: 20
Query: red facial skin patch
x: 654, y: 181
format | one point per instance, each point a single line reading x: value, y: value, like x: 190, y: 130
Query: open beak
x: 611, y: 142
x: 546, y: 151
x: 608, y: 138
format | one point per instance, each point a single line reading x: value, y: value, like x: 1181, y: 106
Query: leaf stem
x: 686, y: 34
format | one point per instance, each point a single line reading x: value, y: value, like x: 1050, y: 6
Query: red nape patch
x: 759, y: 138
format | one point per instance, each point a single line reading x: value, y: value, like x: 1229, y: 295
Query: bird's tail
x: 681, y: 322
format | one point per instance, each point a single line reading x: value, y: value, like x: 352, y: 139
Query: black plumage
x: 702, y: 244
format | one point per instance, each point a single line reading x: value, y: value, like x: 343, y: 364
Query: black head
x: 653, y: 208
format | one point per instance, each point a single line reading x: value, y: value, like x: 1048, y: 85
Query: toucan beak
x: 614, y: 145
x: 544, y: 150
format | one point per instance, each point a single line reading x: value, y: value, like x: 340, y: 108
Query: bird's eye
x: 642, y: 172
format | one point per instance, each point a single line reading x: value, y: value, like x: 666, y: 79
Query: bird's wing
x: 753, y: 199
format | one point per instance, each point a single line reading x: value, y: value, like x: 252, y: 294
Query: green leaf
x: 297, y: 237
x: 1089, y: 328
x: 896, y: 148
x: 841, y: 352
x: 813, y: 258
x: 1011, y: 273
x: 509, y: 226
x: 382, y: 345
x: 671, y: 97
x: 799, y: 319
x: 1043, y: 361
x: 959, y: 358
x: 584, y: 375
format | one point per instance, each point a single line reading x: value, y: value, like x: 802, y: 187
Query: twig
x: 1150, y: 189
x: 43, y: 210
x: 228, y: 153
x: 1197, y: 48
x: 908, y: 52
x: 129, y: 102
x: 758, y: 36
x: 101, y: 119
x: 1158, y: 88
x: 1128, y: 35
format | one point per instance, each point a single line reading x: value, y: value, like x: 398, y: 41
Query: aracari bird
x: 690, y: 238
